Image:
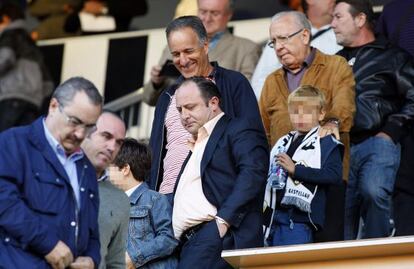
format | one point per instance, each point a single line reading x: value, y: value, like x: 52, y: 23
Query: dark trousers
x: 15, y: 112
x: 203, y: 250
x: 333, y: 228
x: 403, y: 198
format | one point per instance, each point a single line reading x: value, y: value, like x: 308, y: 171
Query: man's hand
x: 128, y: 261
x: 60, y: 256
x: 328, y: 129
x: 222, y: 228
x: 286, y: 162
x: 82, y: 262
x: 93, y: 7
x: 156, y: 79
x: 385, y: 136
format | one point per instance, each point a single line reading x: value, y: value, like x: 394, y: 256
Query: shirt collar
x: 57, y: 148
x: 131, y: 190
x: 209, y: 126
x: 306, y: 63
x: 215, y: 39
x: 104, y: 176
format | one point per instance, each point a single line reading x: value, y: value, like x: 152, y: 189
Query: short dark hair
x: 137, y: 155
x: 192, y: 22
x: 361, y: 6
x: 66, y: 91
x: 12, y: 10
x: 207, y: 88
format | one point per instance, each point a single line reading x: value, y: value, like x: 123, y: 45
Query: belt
x: 190, y: 232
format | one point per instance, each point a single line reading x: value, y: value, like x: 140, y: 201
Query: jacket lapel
x: 213, y: 141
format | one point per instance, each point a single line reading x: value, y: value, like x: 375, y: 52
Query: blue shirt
x: 214, y: 40
x: 68, y: 162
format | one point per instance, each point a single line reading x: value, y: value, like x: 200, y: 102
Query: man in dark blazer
x: 49, y: 193
x: 218, y: 198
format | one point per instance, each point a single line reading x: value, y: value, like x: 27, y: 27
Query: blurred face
x: 214, y: 14
x: 103, y: 145
x: 194, y: 111
x: 291, y: 44
x: 188, y: 56
x: 305, y: 113
x: 70, y: 124
x: 345, y: 26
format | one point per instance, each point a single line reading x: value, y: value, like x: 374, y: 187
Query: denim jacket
x: 151, y: 239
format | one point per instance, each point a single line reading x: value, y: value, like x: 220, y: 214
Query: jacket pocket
x: 139, y: 223
x: 46, y: 192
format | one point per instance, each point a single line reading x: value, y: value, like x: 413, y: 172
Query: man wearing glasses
x: 290, y: 35
x: 49, y: 194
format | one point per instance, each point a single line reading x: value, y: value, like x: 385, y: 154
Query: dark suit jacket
x: 233, y: 172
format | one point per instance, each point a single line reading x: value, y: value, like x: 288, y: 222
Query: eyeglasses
x: 76, y: 123
x: 283, y: 39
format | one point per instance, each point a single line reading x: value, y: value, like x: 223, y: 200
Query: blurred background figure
x: 98, y: 16
x: 51, y: 16
x: 24, y: 79
x: 186, y: 8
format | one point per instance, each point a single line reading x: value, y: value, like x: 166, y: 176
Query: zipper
x: 77, y: 209
x: 162, y: 142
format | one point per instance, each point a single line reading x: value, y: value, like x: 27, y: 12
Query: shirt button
x: 7, y: 239
x: 73, y: 224
x: 82, y: 189
x: 91, y: 195
x: 57, y: 180
x: 85, y: 166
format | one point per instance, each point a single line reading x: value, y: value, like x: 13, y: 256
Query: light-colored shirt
x: 214, y: 40
x: 131, y: 190
x: 269, y: 62
x: 68, y: 162
x: 177, y: 149
x: 191, y: 206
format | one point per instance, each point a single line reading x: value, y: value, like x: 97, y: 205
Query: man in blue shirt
x: 49, y: 199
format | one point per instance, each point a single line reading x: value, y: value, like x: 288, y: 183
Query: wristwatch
x: 334, y: 121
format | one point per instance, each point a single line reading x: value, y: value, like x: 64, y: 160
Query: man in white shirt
x: 218, y: 195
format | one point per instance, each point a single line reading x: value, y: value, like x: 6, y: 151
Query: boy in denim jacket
x: 151, y: 239
x: 302, y: 165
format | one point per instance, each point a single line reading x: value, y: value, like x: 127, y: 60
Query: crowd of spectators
x: 319, y: 149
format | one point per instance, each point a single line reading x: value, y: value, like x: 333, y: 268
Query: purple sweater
x: 390, y: 19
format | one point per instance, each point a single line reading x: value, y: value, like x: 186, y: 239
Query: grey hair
x: 66, y: 91
x: 192, y: 22
x: 299, y: 18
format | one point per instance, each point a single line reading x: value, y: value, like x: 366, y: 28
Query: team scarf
x: 296, y: 193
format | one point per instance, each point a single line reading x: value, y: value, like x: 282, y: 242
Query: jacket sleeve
x: 249, y: 61
x: 330, y: 173
x: 16, y: 218
x: 396, y: 125
x: 245, y: 103
x: 264, y: 98
x: 343, y: 96
x: 251, y: 159
x: 164, y: 243
x: 117, y: 247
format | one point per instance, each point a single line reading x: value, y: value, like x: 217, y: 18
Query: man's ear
x: 214, y: 103
x: 306, y: 36
x: 126, y: 170
x: 361, y: 19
